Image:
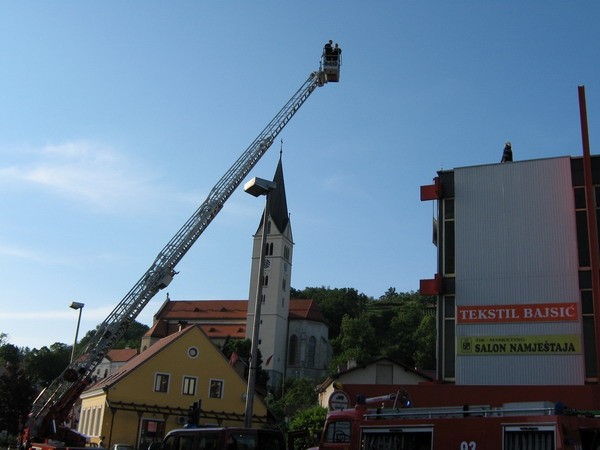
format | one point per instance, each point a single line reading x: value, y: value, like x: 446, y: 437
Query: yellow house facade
x: 153, y: 393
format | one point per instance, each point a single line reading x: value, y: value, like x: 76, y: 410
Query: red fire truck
x: 512, y: 426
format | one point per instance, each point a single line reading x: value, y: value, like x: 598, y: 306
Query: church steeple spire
x: 277, y: 202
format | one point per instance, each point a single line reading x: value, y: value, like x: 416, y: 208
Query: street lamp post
x: 79, y: 306
x: 257, y: 187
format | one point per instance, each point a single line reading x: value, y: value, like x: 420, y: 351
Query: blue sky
x: 118, y: 117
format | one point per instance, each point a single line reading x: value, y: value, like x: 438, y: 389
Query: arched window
x: 293, y: 350
x: 310, y: 352
x: 269, y: 249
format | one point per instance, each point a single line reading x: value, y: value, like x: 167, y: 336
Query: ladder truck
x: 47, y: 420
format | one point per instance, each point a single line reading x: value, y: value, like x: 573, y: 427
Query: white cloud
x: 88, y: 172
x: 89, y: 314
x: 21, y: 253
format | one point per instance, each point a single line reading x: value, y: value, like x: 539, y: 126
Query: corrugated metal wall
x: 516, y: 244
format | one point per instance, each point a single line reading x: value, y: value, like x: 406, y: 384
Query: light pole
x: 257, y: 187
x: 79, y: 306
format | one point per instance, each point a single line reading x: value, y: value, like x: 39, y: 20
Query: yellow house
x: 153, y: 393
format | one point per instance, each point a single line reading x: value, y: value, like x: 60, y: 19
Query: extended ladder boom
x: 54, y: 403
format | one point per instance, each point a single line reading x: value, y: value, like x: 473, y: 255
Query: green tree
x: 402, y: 328
x: 45, y: 364
x: 9, y: 354
x: 295, y: 394
x: 334, y: 303
x: 356, y: 341
x: 308, y: 425
x: 16, y: 390
x: 425, y: 338
x: 132, y: 338
x: 399, y: 326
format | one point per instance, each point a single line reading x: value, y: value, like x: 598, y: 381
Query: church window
x: 263, y: 297
x: 268, y: 226
x: 286, y: 252
x: 293, y: 350
x: 269, y: 249
x: 283, y: 284
x: 310, y: 352
x: 266, y: 280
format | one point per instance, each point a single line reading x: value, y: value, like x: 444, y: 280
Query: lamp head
x: 259, y: 186
x: 77, y: 305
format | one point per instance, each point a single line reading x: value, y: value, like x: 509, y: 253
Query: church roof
x: 201, y: 309
x: 277, y: 202
x: 121, y: 354
x: 220, y: 318
x: 305, y: 309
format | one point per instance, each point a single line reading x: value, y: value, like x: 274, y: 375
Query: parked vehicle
x: 122, y: 447
x: 512, y: 426
x: 223, y: 439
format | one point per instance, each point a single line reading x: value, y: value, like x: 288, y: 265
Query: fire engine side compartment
x: 501, y: 432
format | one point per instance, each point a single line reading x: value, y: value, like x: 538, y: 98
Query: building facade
x: 514, y: 278
x: 152, y: 393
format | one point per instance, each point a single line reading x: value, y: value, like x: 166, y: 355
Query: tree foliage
x: 400, y: 326
x: 132, y: 338
x: 17, y: 390
x: 45, y: 364
x: 309, y: 423
x: 295, y: 394
x: 334, y: 303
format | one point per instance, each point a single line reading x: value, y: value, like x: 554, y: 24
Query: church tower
x: 275, y: 301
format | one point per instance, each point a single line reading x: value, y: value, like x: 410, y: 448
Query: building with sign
x: 515, y: 272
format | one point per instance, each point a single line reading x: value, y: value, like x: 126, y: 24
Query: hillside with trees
x: 401, y: 326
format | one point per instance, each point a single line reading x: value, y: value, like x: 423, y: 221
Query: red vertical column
x: 590, y: 205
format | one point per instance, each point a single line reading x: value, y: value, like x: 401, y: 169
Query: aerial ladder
x: 47, y: 419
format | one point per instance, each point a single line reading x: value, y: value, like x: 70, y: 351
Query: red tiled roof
x: 159, y: 329
x: 305, y: 309
x: 223, y: 310
x: 121, y: 354
x: 220, y: 318
x: 237, y: 331
x: 200, y: 309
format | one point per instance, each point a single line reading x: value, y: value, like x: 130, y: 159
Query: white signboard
x: 338, y: 400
